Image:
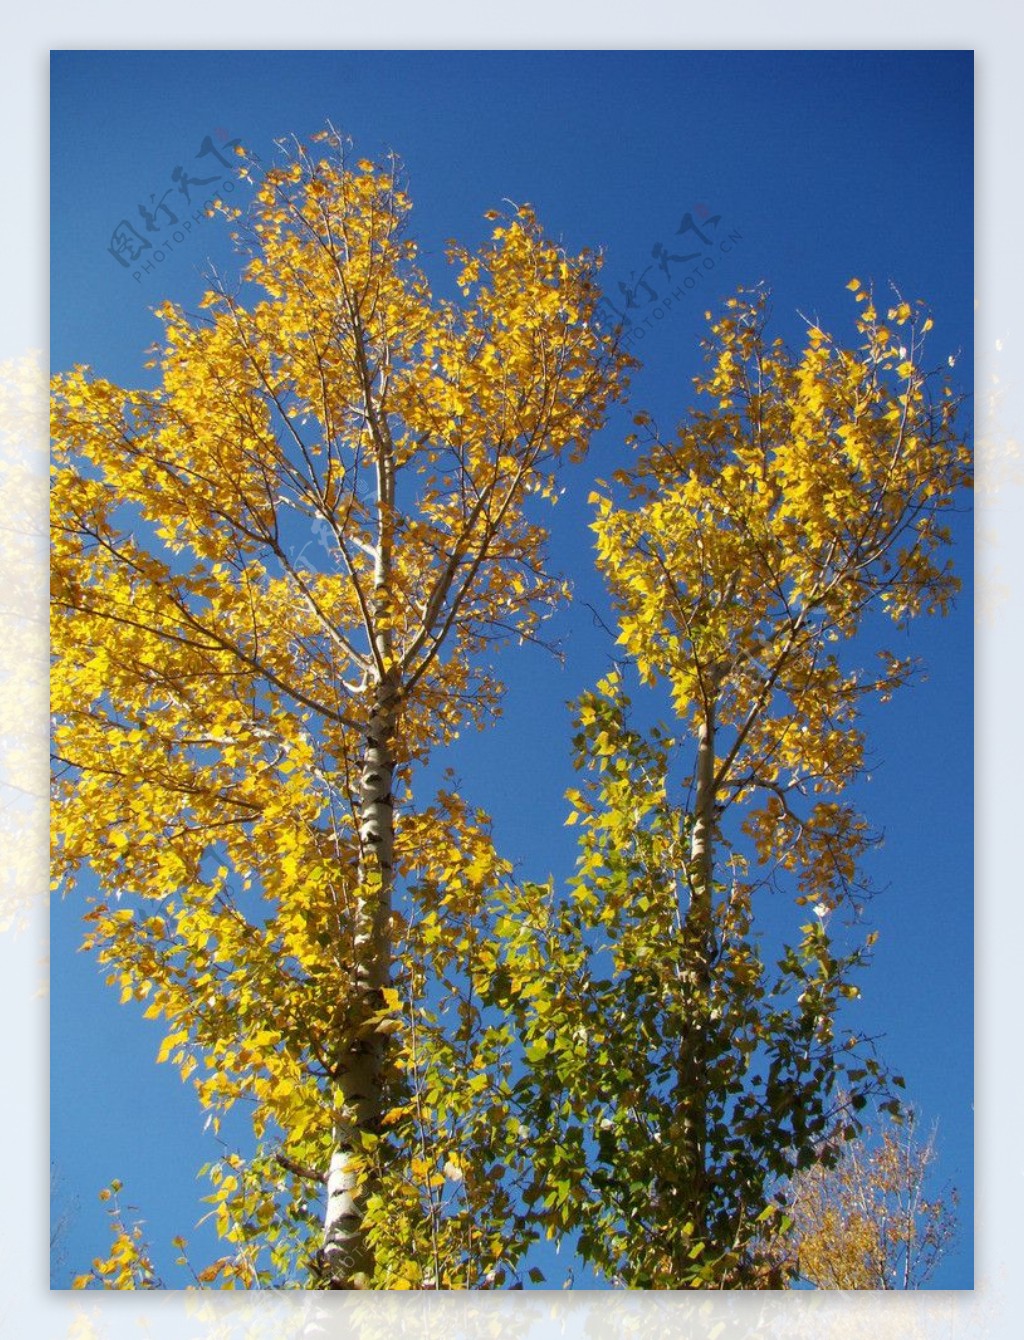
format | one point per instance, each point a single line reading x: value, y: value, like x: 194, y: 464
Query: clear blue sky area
x: 798, y: 169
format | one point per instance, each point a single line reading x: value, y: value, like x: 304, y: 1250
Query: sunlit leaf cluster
x: 805, y: 492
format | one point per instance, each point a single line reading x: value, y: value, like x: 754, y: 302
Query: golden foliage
x: 753, y: 543
x: 214, y: 690
x: 871, y: 1221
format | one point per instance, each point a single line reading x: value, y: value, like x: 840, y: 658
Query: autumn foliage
x: 684, y: 1065
x: 237, y: 728
x: 437, y: 1061
x: 875, y: 1218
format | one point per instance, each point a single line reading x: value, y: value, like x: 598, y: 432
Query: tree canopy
x: 438, y: 1061
x: 235, y: 730
x: 874, y: 1219
x: 681, y: 1072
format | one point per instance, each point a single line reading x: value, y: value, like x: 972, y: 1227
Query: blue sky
x: 821, y: 166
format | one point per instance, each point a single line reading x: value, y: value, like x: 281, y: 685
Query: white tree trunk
x: 347, y: 1257
x: 698, y: 948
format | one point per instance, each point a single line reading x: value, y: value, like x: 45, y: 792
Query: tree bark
x: 347, y: 1255
x: 698, y: 952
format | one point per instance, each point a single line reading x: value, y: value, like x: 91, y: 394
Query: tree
x: 869, y: 1220
x: 128, y: 1265
x: 236, y: 729
x: 677, y: 1079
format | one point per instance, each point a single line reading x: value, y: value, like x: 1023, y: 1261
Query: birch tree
x: 686, y: 1055
x: 875, y: 1219
x: 237, y: 728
